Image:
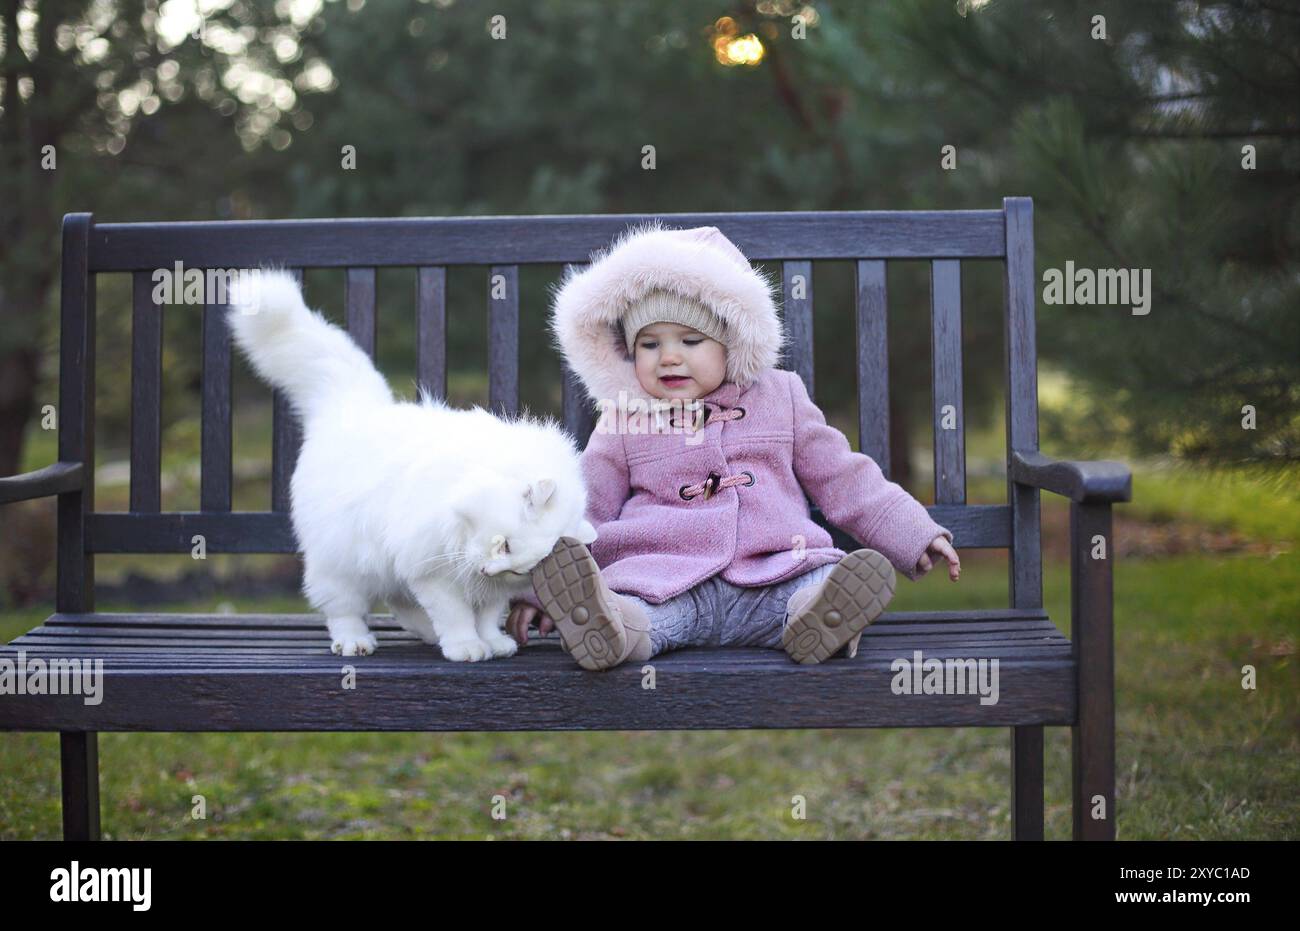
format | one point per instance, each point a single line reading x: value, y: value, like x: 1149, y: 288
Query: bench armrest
x: 1085, y: 482
x: 51, y: 480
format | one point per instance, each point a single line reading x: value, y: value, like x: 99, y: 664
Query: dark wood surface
x: 286, y: 439
x: 1021, y: 369
x: 431, y: 330
x: 52, y: 480
x: 1024, y: 567
x: 872, y: 315
x: 983, y: 526
x: 215, y: 443
x: 1087, y: 482
x: 1093, y: 628
x: 359, y: 301
x: 276, y: 672
x: 946, y: 382
x: 146, y: 396
x: 416, y: 241
x: 578, y: 408
x: 503, y: 339
x: 79, y: 765
x: 1027, y: 782
x: 797, y: 313
x: 76, y: 566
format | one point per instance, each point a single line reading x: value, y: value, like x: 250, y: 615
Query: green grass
x: 1261, y: 502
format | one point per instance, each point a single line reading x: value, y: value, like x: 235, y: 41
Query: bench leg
x: 1092, y: 743
x: 1027, y: 782
x: 79, y: 752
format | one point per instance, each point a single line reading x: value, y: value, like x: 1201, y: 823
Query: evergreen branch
x: 1094, y: 225
x: 1205, y: 133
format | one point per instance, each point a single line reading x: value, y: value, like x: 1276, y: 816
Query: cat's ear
x: 586, y: 533
x: 538, y: 493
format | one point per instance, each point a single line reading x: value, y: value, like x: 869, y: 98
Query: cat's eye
x: 505, y: 546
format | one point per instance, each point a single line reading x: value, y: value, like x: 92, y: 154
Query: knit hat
x: 665, y: 307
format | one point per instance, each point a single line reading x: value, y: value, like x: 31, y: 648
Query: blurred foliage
x: 1130, y: 144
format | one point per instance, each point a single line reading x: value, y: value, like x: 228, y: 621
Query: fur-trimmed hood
x: 697, y: 263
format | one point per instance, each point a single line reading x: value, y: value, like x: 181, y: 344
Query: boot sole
x: 568, y: 585
x: 853, y: 595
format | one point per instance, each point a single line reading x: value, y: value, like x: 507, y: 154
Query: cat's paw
x: 355, y: 644
x: 467, y: 651
x: 501, y: 645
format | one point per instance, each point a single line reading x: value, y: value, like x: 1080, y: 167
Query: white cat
x: 439, y: 512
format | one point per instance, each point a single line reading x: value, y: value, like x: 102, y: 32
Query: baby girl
x: 699, y: 472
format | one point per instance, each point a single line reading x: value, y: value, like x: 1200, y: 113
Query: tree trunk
x: 19, y: 376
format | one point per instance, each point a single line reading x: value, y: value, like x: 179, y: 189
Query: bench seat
x: 265, y: 672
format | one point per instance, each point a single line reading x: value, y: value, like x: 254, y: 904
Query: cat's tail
x: 296, y: 349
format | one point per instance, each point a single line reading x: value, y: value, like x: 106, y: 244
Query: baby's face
x: 675, y: 361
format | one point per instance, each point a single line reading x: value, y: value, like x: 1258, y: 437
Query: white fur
x: 407, y: 502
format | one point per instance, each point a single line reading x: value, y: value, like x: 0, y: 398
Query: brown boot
x: 598, y: 627
x: 823, y: 618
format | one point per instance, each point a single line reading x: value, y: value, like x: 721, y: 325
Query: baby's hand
x: 940, y: 547
x: 522, y: 615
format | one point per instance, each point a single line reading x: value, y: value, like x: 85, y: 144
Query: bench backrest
x: 502, y: 244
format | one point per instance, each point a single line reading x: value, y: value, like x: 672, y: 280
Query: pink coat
x: 654, y: 542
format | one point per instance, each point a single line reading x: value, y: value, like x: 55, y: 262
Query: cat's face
x: 511, y: 529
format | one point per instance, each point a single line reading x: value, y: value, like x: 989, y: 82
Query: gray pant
x: 717, y: 613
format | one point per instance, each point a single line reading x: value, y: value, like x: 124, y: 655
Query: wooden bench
x: 171, y: 672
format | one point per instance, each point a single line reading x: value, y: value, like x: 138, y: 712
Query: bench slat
x: 360, y: 302
x: 234, y: 625
x: 209, y: 656
x: 77, y: 299
x: 1021, y: 371
x: 503, y: 339
x: 873, y: 362
x: 240, y: 532
x: 196, y: 651
x: 1012, y: 616
x: 431, y: 330
x: 416, y: 241
x: 215, y: 450
x: 946, y: 375
x: 146, y: 396
x: 973, y: 526
x: 982, y: 526
x: 579, y: 409
x: 879, y: 634
x: 537, y: 692
x: 286, y: 439
x: 545, y: 655
x: 798, y: 317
